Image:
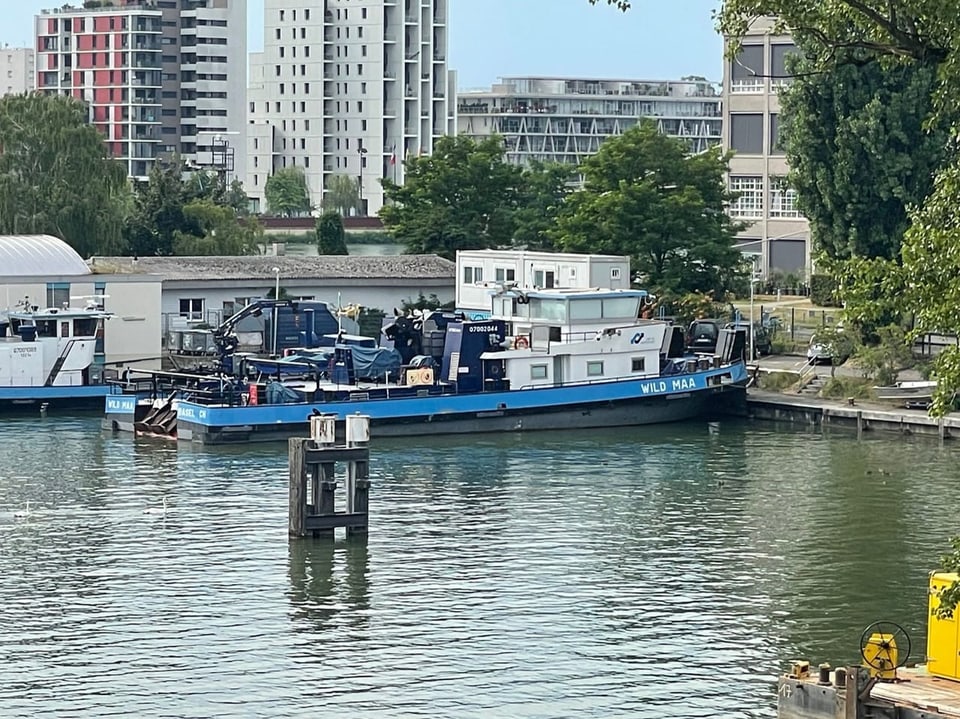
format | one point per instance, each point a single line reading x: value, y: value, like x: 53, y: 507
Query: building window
x: 749, y: 203
x: 306, y: 14
x: 595, y: 368
x: 363, y: 13
x: 778, y: 63
x: 776, y: 147
x: 544, y: 279
x: 783, y: 199
x: 746, y: 71
x: 58, y: 294
x: 472, y: 275
x: 746, y: 133
x: 614, y: 273
x: 638, y: 364
x: 504, y: 274
x: 538, y: 371
x: 191, y: 309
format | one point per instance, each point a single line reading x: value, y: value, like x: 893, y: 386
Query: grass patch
x: 776, y: 381
x: 843, y: 387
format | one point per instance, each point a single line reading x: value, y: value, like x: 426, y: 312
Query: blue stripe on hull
x: 684, y: 392
x: 87, y: 396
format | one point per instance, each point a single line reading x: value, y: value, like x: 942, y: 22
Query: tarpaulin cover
x: 280, y: 394
x: 374, y: 363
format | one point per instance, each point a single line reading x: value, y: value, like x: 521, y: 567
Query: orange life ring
x: 521, y: 343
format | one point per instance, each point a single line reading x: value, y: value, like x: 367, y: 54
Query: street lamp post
x: 276, y: 309
x: 361, y: 151
x: 753, y: 279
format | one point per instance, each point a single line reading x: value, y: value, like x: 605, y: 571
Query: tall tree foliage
x: 544, y: 188
x: 343, y: 195
x: 645, y: 197
x: 286, y: 192
x: 858, y: 151
x: 463, y: 196
x: 56, y: 177
x: 177, y: 212
x: 331, y: 238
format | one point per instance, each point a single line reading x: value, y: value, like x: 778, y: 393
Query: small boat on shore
x: 544, y: 359
x: 47, y: 357
x: 914, y: 394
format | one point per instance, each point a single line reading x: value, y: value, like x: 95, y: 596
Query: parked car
x: 702, y: 335
x: 835, y: 351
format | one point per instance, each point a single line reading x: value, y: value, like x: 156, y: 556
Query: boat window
x: 538, y: 371
x: 548, y: 309
x: 65, y: 328
x: 595, y: 369
x: 621, y: 307
x: 506, y: 306
x: 638, y: 364
x: 85, y: 327
x: 585, y: 309
x: 46, y: 328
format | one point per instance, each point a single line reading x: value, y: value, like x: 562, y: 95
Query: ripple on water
x: 643, y: 573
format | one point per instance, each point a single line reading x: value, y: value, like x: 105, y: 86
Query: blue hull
x: 602, y: 404
x: 73, y: 397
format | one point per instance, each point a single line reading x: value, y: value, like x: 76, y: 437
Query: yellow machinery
x: 884, y: 646
x: 943, y: 635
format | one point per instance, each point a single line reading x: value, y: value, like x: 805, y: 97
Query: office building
x: 160, y: 77
x: 778, y: 236
x: 349, y: 91
x: 566, y: 119
x: 18, y: 73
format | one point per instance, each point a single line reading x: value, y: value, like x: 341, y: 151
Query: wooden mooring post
x: 315, y: 459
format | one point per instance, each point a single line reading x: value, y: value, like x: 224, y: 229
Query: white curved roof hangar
x: 38, y: 255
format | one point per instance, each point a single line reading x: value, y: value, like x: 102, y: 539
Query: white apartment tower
x: 348, y: 87
x: 18, y: 72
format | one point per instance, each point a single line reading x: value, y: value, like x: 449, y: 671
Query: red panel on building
x: 77, y: 79
x: 85, y: 60
x: 51, y: 26
x: 101, y: 95
x: 84, y: 42
x: 118, y: 113
x: 52, y: 61
x: 101, y: 24
x: 118, y: 59
x: 101, y: 78
x: 78, y: 24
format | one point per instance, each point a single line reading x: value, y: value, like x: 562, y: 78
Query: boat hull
x: 612, y: 404
x: 17, y: 399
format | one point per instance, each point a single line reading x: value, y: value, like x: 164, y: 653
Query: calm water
x: 560, y: 575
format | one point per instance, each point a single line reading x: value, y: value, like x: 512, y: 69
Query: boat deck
x: 920, y: 691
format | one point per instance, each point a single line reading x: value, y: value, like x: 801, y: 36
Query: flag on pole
x: 393, y: 155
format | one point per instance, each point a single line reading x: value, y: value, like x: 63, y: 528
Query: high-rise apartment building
x: 18, y: 74
x: 161, y: 77
x: 566, y: 119
x: 348, y: 88
x: 778, y: 236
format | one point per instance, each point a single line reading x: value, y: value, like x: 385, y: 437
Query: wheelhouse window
x: 85, y: 327
x: 538, y: 371
x: 638, y: 364
x: 595, y: 369
x: 191, y: 309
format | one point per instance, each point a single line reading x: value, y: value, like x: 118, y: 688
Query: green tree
x: 545, y: 187
x: 218, y: 231
x: 645, y: 197
x: 858, y: 151
x: 463, y: 196
x: 158, y: 214
x: 56, y: 177
x: 287, y: 193
x: 331, y: 238
x: 342, y: 195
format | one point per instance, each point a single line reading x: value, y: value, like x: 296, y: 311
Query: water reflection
x: 329, y: 583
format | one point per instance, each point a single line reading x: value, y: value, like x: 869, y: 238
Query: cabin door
x: 557, y: 371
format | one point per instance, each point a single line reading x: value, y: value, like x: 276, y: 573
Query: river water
x: 653, y: 572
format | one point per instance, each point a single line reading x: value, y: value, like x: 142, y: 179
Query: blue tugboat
x: 543, y: 360
x: 47, y: 357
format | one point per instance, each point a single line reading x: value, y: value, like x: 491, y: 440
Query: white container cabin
x: 481, y: 273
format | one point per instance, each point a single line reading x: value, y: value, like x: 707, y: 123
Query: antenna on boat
x: 93, y: 302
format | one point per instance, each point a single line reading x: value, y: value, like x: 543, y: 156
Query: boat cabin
x: 53, y: 346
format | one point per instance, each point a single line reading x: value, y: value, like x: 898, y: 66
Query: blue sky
x: 490, y: 38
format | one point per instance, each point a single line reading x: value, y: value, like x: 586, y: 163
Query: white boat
x: 919, y: 391
x: 48, y: 356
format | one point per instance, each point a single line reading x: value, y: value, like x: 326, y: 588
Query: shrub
x: 776, y: 381
x: 823, y: 291
x: 842, y: 387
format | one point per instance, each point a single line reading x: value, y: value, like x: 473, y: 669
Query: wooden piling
x: 316, y: 514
